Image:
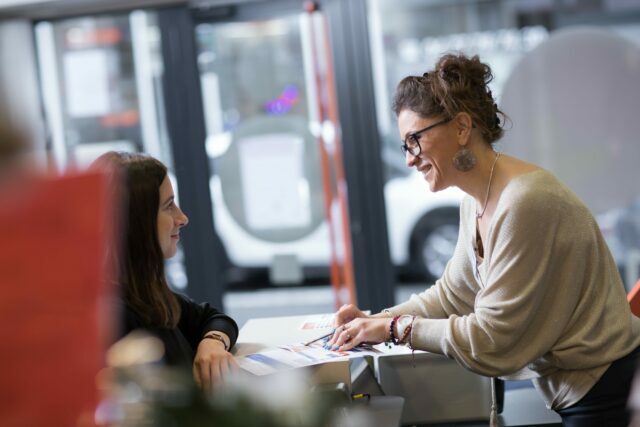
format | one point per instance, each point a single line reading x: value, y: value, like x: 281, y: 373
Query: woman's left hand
x: 360, y: 330
x: 212, y: 363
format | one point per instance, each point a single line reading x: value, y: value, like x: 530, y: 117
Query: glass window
x: 270, y: 142
x: 563, y: 74
x: 102, y: 91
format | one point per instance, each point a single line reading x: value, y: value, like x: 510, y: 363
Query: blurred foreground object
x: 145, y: 392
x: 53, y: 326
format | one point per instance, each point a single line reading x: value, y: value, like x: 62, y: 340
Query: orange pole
x: 336, y: 279
x: 346, y: 269
x: 349, y: 279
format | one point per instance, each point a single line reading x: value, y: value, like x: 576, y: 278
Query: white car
x: 269, y: 204
x: 423, y: 230
x: 423, y: 226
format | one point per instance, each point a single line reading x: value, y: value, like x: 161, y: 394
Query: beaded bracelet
x: 217, y: 338
x: 410, y: 333
x: 392, y: 333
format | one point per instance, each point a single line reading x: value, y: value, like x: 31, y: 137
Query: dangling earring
x: 464, y: 160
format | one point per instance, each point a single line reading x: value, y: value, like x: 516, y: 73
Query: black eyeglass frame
x: 415, y: 137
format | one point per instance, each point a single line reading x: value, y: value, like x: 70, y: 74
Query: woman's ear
x: 463, y: 124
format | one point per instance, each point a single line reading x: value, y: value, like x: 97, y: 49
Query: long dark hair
x: 140, y: 261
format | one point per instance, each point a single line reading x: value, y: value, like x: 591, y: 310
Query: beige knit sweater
x: 546, y: 303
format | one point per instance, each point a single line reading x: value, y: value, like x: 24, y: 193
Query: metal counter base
x: 522, y: 407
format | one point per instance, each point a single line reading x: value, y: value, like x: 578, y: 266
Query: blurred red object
x: 634, y: 299
x: 54, y: 325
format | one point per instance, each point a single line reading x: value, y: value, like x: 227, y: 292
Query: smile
x: 425, y: 170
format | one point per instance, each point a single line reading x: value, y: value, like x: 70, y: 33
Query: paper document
x: 297, y: 355
x: 319, y: 321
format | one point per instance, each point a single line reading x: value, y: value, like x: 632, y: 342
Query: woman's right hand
x: 347, y: 313
x: 212, y: 363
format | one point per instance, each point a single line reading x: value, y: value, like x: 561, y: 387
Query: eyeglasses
x: 411, y: 143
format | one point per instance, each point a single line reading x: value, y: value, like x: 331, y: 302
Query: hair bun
x: 464, y: 82
x: 457, y: 84
x: 461, y: 72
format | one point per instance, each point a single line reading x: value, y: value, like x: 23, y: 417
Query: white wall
x: 19, y: 93
x: 14, y: 3
x: 44, y: 9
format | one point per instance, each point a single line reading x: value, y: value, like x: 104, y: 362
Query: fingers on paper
x: 347, y: 338
x: 336, y: 334
x: 346, y: 313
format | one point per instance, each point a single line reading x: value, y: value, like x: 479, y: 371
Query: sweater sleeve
x: 198, y: 319
x: 454, y: 292
x: 526, y: 302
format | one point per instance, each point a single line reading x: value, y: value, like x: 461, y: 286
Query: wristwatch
x: 216, y: 337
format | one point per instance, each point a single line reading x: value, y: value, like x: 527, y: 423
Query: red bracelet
x: 407, y: 332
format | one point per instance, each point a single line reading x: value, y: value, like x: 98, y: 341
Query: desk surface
x: 258, y: 334
x: 523, y: 407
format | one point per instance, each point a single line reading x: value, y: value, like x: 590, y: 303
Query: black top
x: 182, y: 341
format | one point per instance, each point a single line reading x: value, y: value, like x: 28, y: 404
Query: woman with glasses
x: 532, y: 291
x: 195, y: 336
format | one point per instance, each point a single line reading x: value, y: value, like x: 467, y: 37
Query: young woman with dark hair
x: 194, y: 335
x: 532, y: 291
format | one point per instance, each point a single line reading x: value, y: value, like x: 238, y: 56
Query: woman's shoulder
x: 534, y: 185
x: 537, y: 192
x: 527, y: 187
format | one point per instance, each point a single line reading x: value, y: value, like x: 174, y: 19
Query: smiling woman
x: 170, y: 220
x: 195, y: 336
x: 532, y: 291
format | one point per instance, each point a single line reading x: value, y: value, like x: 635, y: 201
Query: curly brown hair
x: 457, y: 84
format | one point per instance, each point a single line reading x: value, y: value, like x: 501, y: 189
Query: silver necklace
x: 486, y: 197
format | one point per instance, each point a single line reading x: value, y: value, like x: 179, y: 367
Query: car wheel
x: 434, y: 243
